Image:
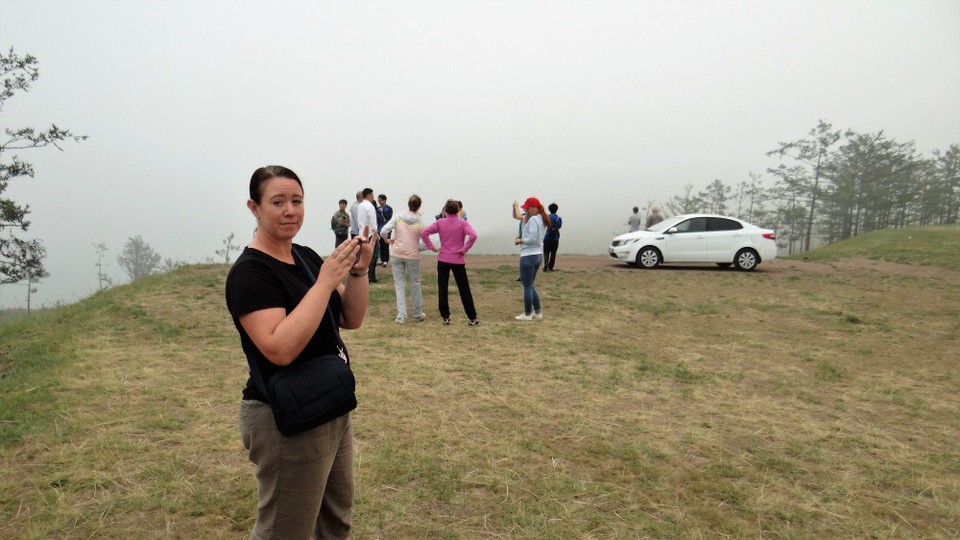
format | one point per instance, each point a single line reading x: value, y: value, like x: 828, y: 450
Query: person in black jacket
x: 384, y: 215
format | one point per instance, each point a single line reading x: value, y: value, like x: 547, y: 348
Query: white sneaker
x: 421, y: 318
x: 538, y: 316
x: 400, y: 320
x: 524, y: 317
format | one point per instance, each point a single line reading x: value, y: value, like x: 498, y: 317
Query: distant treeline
x: 835, y: 185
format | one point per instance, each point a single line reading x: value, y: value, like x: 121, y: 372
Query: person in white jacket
x: 402, y: 233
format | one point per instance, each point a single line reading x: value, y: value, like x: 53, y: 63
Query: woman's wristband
x: 357, y: 274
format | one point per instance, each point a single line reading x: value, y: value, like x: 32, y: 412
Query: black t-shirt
x: 258, y: 281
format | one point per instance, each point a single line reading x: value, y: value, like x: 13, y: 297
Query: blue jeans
x: 528, y: 274
x: 402, y: 269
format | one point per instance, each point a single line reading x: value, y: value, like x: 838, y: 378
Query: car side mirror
x: 671, y: 230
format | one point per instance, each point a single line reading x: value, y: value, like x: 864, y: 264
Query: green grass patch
x: 930, y: 246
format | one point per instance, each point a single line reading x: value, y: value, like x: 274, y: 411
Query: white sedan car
x: 697, y: 238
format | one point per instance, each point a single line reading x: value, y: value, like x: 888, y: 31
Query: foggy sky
x: 598, y: 106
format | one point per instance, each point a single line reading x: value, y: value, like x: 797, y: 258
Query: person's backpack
x: 554, y: 225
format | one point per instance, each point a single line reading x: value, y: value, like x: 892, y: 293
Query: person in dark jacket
x: 551, y: 241
x: 384, y: 215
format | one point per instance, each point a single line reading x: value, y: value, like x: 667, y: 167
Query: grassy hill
x: 802, y: 401
x: 935, y: 246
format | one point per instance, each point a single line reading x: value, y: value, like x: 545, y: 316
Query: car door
x: 688, y: 243
x: 724, y: 238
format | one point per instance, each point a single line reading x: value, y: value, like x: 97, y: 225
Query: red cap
x: 532, y: 201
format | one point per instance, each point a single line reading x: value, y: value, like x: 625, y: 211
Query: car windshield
x: 665, y: 224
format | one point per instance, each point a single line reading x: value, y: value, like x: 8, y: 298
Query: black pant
x: 372, y: 269
x: 550, y: 253
x: 384, y: 250
x: 463, y: 285
x: 341, y: 238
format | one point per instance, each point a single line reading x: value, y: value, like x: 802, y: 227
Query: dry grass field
x: 804, y: 400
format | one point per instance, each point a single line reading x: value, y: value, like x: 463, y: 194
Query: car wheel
x: 648, y: 257
x: 746, y: 260
x: 724, y: 265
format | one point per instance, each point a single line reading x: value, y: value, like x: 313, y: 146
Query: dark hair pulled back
x: 261, y: 175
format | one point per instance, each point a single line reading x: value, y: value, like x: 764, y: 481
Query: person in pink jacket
x: 402, y: 234
x: 456, y: 239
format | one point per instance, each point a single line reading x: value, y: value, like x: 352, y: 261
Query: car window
x: 664, y: 225
x: 723, y: 224
x: 698, y: 224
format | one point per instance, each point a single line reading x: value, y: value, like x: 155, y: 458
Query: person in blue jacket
x: 551, y: 240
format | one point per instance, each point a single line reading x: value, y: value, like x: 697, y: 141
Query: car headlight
x: 629, y: 241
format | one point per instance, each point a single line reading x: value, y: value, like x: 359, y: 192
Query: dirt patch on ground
x: 565, y: 262
x: 582, y: 263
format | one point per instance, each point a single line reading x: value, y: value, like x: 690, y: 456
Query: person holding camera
x: 287, y: 305
x: 532, y: 231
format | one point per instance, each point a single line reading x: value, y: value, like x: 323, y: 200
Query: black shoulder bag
x: 311, y: 391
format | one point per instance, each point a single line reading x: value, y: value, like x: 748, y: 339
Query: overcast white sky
x: 596, y: 105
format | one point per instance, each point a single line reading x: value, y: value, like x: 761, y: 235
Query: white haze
x: 598, y: 106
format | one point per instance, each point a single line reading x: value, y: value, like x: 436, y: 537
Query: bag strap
x: 333, y: 320
x: 252, y: 363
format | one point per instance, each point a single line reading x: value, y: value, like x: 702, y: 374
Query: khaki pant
x: 305, y: 482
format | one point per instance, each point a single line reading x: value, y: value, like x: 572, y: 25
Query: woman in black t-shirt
x: 305, y: 482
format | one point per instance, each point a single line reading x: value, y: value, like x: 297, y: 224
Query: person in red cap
x: 531, y: 255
